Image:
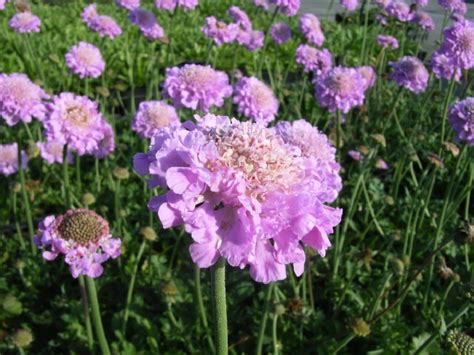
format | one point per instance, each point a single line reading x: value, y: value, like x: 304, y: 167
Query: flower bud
x: 398, y: 266
x: 121, y: 173
x: 280, y: 309
x: 12, y: 305
x: 360, y: 327
x: 22, y: 338
x: 88, y: 199
x: 148, y: 233
x: 32, y: 149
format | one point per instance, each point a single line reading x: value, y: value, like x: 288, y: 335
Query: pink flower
x: 287, y: 7
x: 89, y: 13
x: 85, y: 60
x: 368, y: 73
x: 318, y: 61
x: 128, y: 4
x: 153, y: 116
x: 381, y: 164
x: 25, y: 22
x: 399, y: 10
x: 219, y: 31
x: 52, y: 152
x: 349, y: 5
x: 387, y: 41
x: 310, y: 27
x: 9, y: 159
x: 171, y: 4
x: 106, y: 26
x: 443, y: 67
x: 410, y: 73
x: 280, y: 32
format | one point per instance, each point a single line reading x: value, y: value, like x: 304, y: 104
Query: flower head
x: 9, y: 159
x: 243, y: 193
x: 89, y: 13
x: 318, y: 61
x: 219, y: 31
x: 399, y: 10
x: 287, y: 7
x: 421, y: 3
x: 154, y: 32
x: 458, y: 44
x: 20, y: 99
x: 196, y: 86
x: 128, y: 4
x: 2, y: 5
x: 171, y: 4
x: 461, y: 118
x: 349, y: 5
x: 280, y: 32
x: 382, y: 4
x: 443, y: 66
x: 265, y: 4
x: 240, y: 17
x: 252, y: 39
x: 340, y: 89
x: 142, y: 18
x: 387, y: 41
x: 153, y: 116
x: 410, y: 73
x: 255, y: 100
x: 310, y: 27
x: 105, y: 26
x: 25, y: 22
x: 424, y: 20
x: 85, y: 60
x: 106, y: 145
x: 82, y: 236
x: 368, y: 73
x: 52, y: 152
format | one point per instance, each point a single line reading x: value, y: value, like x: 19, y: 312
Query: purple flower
x: 20, y: 99
x: 82, y: 236
x: 355, y: 154
x: 382, y: 4
x: 382, y: 19
x: 443, y: 66
x: 310, y: 27
x: 128, y: 4
x: 106, y: 144
x: 154, y: 32
x: 449, y: 5
x: 349, y: 5
x: 410, y: 73
x: 240, y: 18
x: 399, y: 10
x: 318, y: 61
x: 85, y: 60
x: 461, y: 118
x: 287, y: 7
x: 25, y: 22
x: 368, y: 73
x: 458, y: 44
x: 255, y: 100
x: 52, y: 152
x: 89, y: 13
x: 340, y: 89
x: 153, y: 116
x: 171, y: 4
x: 196, y: 87
x: 265, y: 4
x: 243, y: 193
x: 252, y: 40
x: 75, y: 121
x: 387, y: 41
x: 105, y: 26
x: 381, y: 164
x: 9, y: 159
x: 424, y: 20
x: 219, y: 31
x: 459, y: 10
x: 421, y: 3
x: 2, y: 5
x: 280, y: 32
x: 142, y: 18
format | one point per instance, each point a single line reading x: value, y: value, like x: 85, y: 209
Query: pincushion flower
x: 85, y: 60
x: 196, y: 86
x: 382, y: 4
x: 25, y: 22
x: 75, y: 121
x: 287, y: 7
x: 243, y: 193
x: 2, y: 5
x: 89, y: 13
x: 240, y: 17
x: 458, y: 44
x: 20, y: 99
x: 424, y: 20
x: 252, y: 40
x: 368, y: 73
x: 265, y: 4
x: 410, y: 73
x: 280, y: 32
x: 461, y: 118
x: 443, y: 66
x: 387, y: 41
x: 128, y: 4
x: 399, y: 10
x: 310, y: 27
x: 9, y: 159
x: 318, y: 61
x: 219, y: 31
x: 340, y: 89
x: 154, y: 32
x: 459, y: 10
x: 83, y: 237
x: 153, y: 116
x: 105, y: 26
x: 449, y: 5
x: 349, y: 5
x: 171, y: 4
x: 52, y: 152
x: 255, y: 100
x: 106, y: 145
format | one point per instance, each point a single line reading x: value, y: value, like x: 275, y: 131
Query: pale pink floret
x: 9, y: 159
x: 85, y: 60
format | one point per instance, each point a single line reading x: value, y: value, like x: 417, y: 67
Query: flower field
x: 235, y: 177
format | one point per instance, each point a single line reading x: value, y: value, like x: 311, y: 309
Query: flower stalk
x: 220, y: 307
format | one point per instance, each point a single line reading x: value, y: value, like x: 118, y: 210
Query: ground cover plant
x: 232, y: 176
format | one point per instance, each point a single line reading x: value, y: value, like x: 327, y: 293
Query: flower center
x: 20, y: 88
x: 87, y: 56
x: 158, y: 116
x: 8, y: 154
x: 409, y: 67
x: 341, y: 83
x: 81, y: 226
x: 77, y: 115
x: 24, y: 18
x: 197, y: 76
x: 262, y: 95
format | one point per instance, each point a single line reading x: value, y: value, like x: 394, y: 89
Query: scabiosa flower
x: 443, y: 66
x: 450, y: 5
x: 82, y: 236
x: 240, y: 18
x: 142, y: 18
x: 9, y: 159
x: 421, y: 3
x: 20, y: 99
x: 52, y: 152
x: 368, y: 73
x: 154, y: 32
x: 243, y: 194
x: 349, y: 5
x: 424, y: 20
x: 75, y: 121
x: 461, y: 118
x: 219, y: 31
x: 153, y: 116
x: 105, y: 26
x: 318, y: 61
x: 287, y: 7
x: 399, y: 10
x: 25, y: 22
x: 387, y: 41
x: 85, y: 60
x: 382, y: 4
x: 255, y: 100
x: 106, y: 144
x: 265, y: 4
x: 355, y: 154
x: 459, y: 11
x: 171, y: 4
x: 280, y: 32
x: 340, y: 89
x: 89, y: 13
x: 310, y: 27
x: 252, y: 40
x: 458, y: 44
x: 128, y: 4
x: 2, y: 5
x: 410, y: 73
x: 381, y: 164
x: 196, y: 86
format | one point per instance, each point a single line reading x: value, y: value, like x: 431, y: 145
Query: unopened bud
x: 121, y: 173
x: 88, y: 199
x: 22, y: 338
x: 360, y: 327
x: 148, y: 233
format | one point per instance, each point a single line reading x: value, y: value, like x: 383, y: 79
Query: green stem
x: 263, y: 323
x: 78, y: 174
x: 394, y: 107
x: 364, y: 41
x: 26, y: 201
x: 220, y: 307
x: 338, y: 134
x: 170, y: 36
x: 275, y: 335
x: 85, y: 310
x: 200, y: 306
x: 446, y: 108
x: 99, y: 329
x: 66, y: 178
x: 265, y: 41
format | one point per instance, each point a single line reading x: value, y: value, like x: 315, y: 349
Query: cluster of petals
x: 197, y: 87
x: 25, y: 22
x: 172, y: 4
x: 399, y: 10
x: 458, y: 44
x: 443, y: 67
x: 85, y: 60
x: 410, y: 73
x: 461, y: 118
x: 287, y: 7
x: 77, y: 122
x: 52, y: 152
x: 349, y: 5
x: 153, y: 116
x: 246, y: 35
x: 264, y: 4
x: 20, y: 99
x: 424, y: 20
x: 128, y: 4
x: 82, y: 236
x: 310, y: 27
x: 451, y: 5
x: 255, y: 100
x: 244, y: 192
x: 105, y: 26
x: 280, y: 32
x: 387, y: 41
x: 219, y: 31
x: 318, y: 61
x: 240, y: 18
x: 9, y: 159
x: 368, y: 73
x: 341, y: 89
x: 148, y: 24
x: 89, y: 13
